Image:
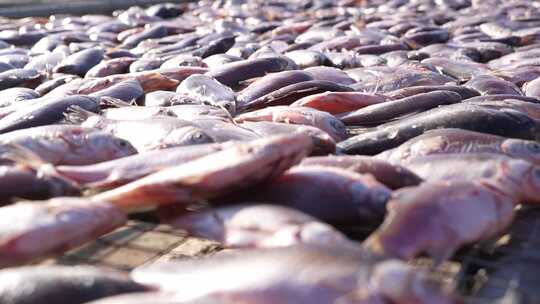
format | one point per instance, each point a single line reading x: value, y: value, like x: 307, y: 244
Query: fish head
x: 186, y: 136
x: 107, y: 147
x: 323, y: 144
x: 524, y: 149
x: 336, y: 128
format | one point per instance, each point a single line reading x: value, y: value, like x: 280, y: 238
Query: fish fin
x: 114, y: 102
x: 77, y: 115
x: 25, y: 157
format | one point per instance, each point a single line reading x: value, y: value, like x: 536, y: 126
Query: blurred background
x: 26, y: 8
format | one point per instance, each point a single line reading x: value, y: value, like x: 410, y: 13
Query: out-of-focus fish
x: 235, y: 168
x: 20, y: 181
x: 154, y: 298
x: 439, y: 217
x: 339, y: 102
x: 111, y: 67
x: 296, y: 274
x: 59, y: 224
x: 258, y: 226
x: 394, y: 109
x: 301, y: 116
x: 450, y: 141
x: 464, y: 92
x: 81, y: 62
x: 392, y: 176
x: 149, y: 80
x: 330, y: 74
x: 63, y: 284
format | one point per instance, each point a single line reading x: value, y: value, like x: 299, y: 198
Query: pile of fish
x: 267, y: 126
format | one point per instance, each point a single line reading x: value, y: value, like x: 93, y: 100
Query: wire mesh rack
x: 503, y: 270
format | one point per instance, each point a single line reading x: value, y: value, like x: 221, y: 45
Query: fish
x: 339, y: 102
x: 323, y: 274
x: 66, y: 144
x: 208, y: 90
x: 156, y: 31
x: 27, y: 78
x: 308, y: 58
x: 492, y: 85
x: 381, y: 79
x: 233, y: 73
x: 64, y: 284
x: 336, y: 196
x: 154, y: 297
x: 45, y: 111
x: 149, y: 80
x: 291, y: 93
x: 511, y: 124
x: 117, y: 172
x: 323, y: 143
x: 32, y: 184
x: 391, y: 175
x: 217, y: 174
x: 300, y: 116
x: 458, y: 141
x: 391, y: 110
x: 516, y: 178
x: 463, y: 70
x: 49, y: 85
x: 531, y: 88
x: 161, y: 132
x: 269, y: 83
x: 110, y: 67
x: 330, y: 74
x: 128, y: 90
x: 440, y: 217
x: 16, y: 95
x: 217, y: 46
x: 80, y: 63
x: 60, y: 224
x: 464, y: 92
x: 249, y: 225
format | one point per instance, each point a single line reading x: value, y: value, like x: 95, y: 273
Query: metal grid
x: 138, y: 243
x: 505, y: 270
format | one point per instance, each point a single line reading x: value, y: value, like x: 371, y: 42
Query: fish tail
x: 115, y: 102
x: 77, y: 115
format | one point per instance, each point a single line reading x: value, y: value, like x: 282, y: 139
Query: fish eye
x: 337, y: 125
x: 535, y: 147
x: 198, y: 136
